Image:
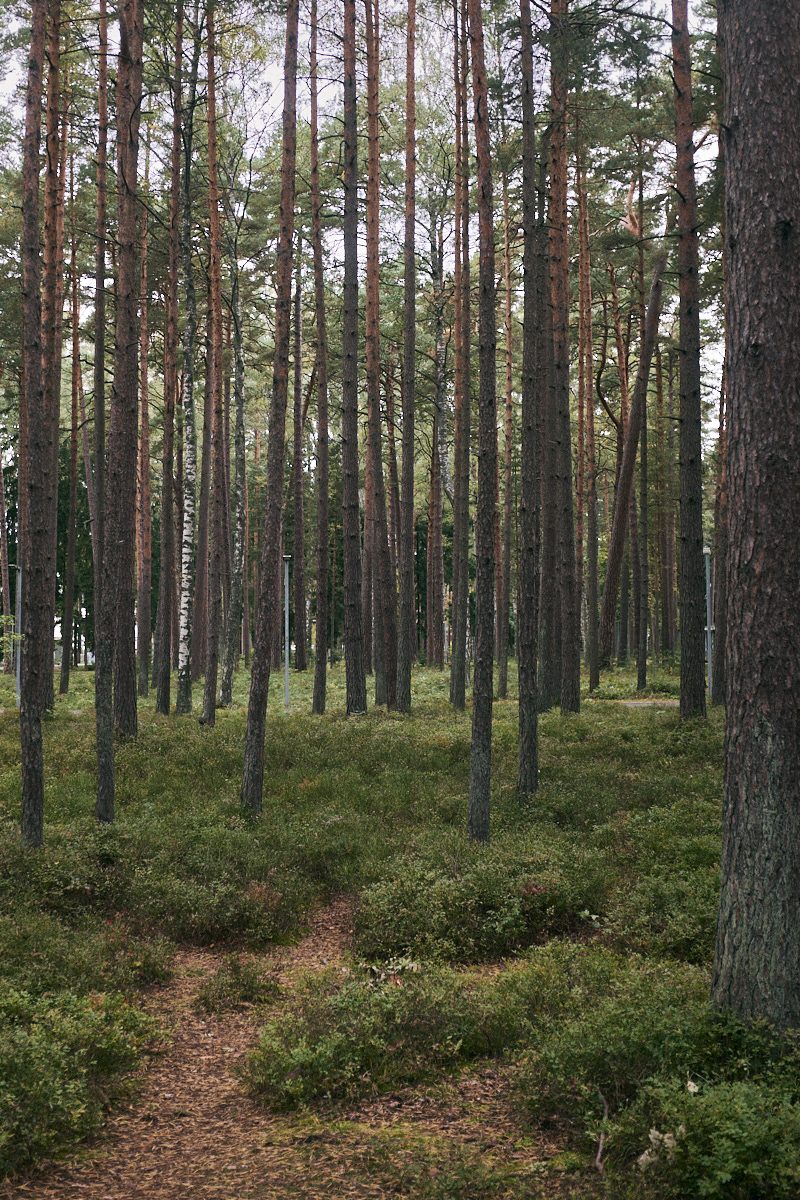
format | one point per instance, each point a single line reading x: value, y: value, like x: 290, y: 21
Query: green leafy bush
x: 59, y: 1059
x: 700, y: 1103
x: 344, y: 1038
x: 482, y: 902
x: 718, y: 1141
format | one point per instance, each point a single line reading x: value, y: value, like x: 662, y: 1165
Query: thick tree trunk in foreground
x: 758, y: 954
x: 530, y: 494
x: 38, y: 465
x: 757, y: 965
x: 323, y: 437
x: 356, y: 683
x: 117, y: 593
x: 692, y: 579
x: 481, y: 750
x: 267, y: 615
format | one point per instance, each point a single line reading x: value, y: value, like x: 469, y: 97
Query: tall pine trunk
x: 356, y: 686
x: 100, y: 307
x: 117, y: 698
x: 267, y: 614
x: 504, y: 597
x: 462, y: 336
x: 534, y: 302
x: 189, y: 444
x: 38, y: 465
x: 383, y: 581
x: 323, y: 435
x: 218, y: 492
x: 166, y: 581
x: 692, y: 587
x: 568, y: 603
x: 237, y: 629
x: 69, y: 572
x: 298, y: 481
x: 406, y: 633
x: 144, y: 525
x: 481, y: 749
x: 585, y: 350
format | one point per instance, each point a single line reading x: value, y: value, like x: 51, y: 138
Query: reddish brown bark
x: 35, y: 462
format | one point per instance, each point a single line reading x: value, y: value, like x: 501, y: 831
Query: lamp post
x: 287, y: 558
x: 709, y: 655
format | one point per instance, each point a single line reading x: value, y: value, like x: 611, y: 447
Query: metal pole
x: 286, y: 560
x: 709, y: 655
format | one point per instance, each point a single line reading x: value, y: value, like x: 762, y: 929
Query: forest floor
x: 350, y: 999
x: 191, y: 1129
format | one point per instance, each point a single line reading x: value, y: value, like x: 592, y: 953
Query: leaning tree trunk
x: 267, y: 615
x: 323, y: 467
x: 757, y: 962
x: 36, y: 498
x: 356, y: 685
x: 116, y: 598
x: 481, y: 750
x: 692, y: 591
x: 625, y: 483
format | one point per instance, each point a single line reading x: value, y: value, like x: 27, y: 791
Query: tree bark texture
x: 757, y: 962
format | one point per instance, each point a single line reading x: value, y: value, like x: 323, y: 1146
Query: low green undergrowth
x: 618, y: 850
x: 690, y: 1102
x: 236, y: 983
x: 341, y: 1039
x: 61, y: 1059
